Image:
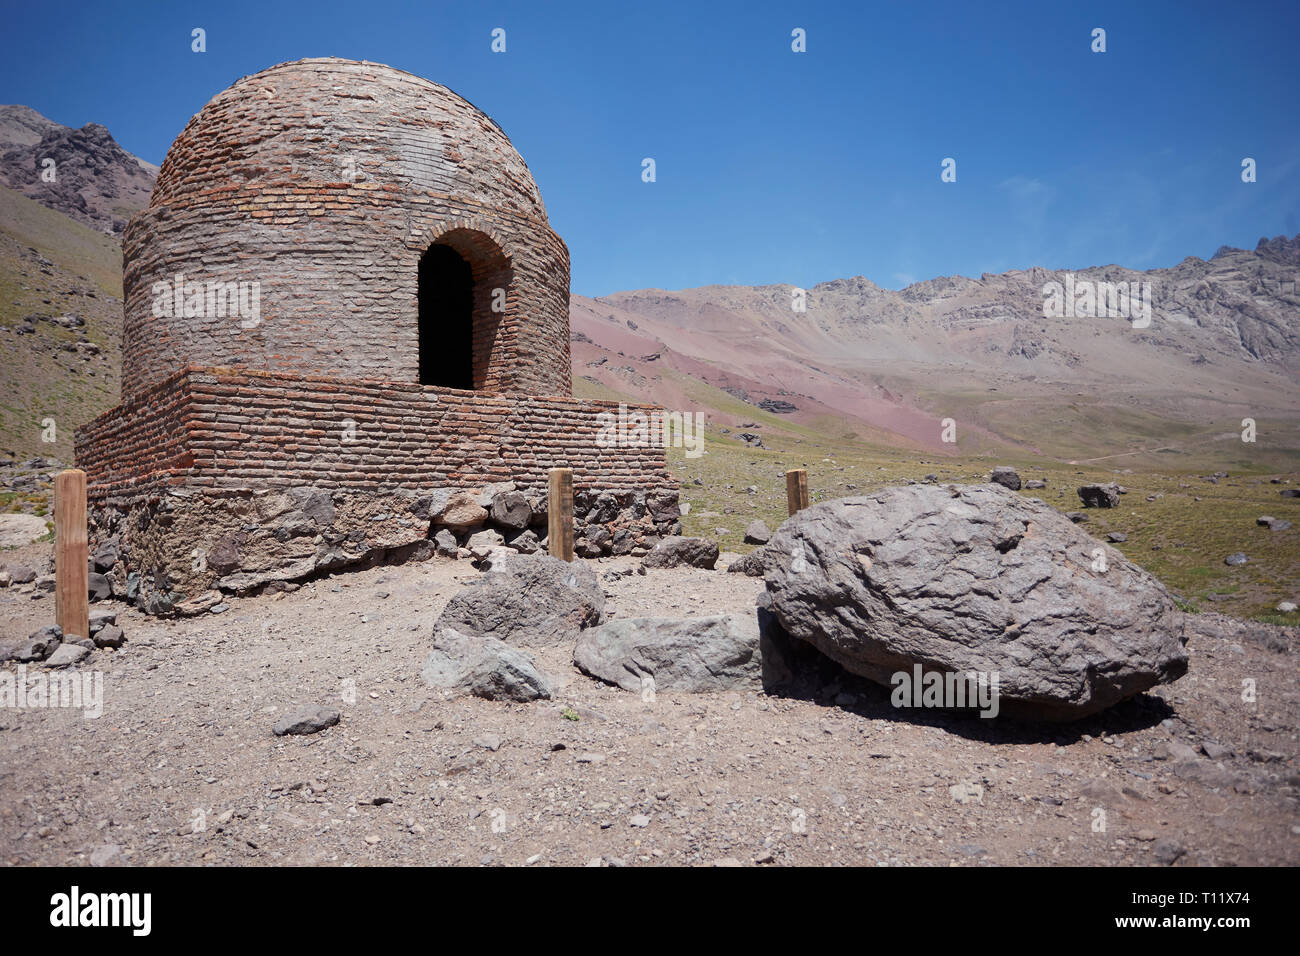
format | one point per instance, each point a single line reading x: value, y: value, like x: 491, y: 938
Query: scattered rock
x: 750, y: 565
x: 1005, y: 476
x: 67, y: 654
x: 461, y: 512
x: 510, y: 509
x: 307, y: 719
x: 1099, y: 496
x: 757, y: 533
x: 1236, y: 559
x: 1167, y: 852
x: 110, y: 635
x: 1116, y: 537
x: 38, y: 646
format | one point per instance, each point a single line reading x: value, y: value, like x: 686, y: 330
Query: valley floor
x: 182, y: 767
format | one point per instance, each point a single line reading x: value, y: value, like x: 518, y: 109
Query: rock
x: 99, y: 617
x: 67, y: 654
x: 6, y: 579
x: 17, y: 530
x: 1265, y: 520
x: 695, y: 655
x: 757, y: 533
x: 110, y: 635
x: 750, y: 565
x: 46, y: 582
x: 445, y: 543
x: 676, y: 551
x: 1035, y: 483
x: 485, y: 667
x: 1099, y: 496
x: 1277, y: 524
x: 98, y: 586
x: 38, y: 646
x: 1078, y: 517
x: 1215, y: 751
x: 1290, y: 492
x: 481, y: 544
x: 1236, y: 559
x: 510, y: 509
x: 490, y: 742
x: 461, y: 512
x: 107, y: 554
x: 1117, y: 537
x: 974, y: 578
x: 525, y: 542
x: 22, y: 574
x: 106, y: 854
x: 1005, y: 476
x: 1166, y: 852
x: 663, y: 507
x: 1287, y: 607
x: 307, y: 719
x: 533, y: 600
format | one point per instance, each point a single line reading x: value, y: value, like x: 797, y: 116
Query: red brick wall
x: 235, y: 428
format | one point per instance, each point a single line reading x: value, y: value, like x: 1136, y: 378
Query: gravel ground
x: 182, y: 767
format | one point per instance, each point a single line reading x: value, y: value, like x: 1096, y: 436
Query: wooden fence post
x: 71, y: 594
x: 796, y: 489
x: 559, y: 514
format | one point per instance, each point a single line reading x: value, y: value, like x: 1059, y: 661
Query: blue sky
x: 775, y: 166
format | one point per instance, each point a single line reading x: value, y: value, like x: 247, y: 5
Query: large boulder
x: 974, y: 578
x: 537, y: 600
x: 485, y: 667
x: 676, y: 551
x: 694, y: 654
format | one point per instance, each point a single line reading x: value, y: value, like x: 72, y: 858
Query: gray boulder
x: 974, y: 578
x: 110, y: 635
x: 537, y: 600
x: 676, y: 551
x: 38, y: 646
x: 757, y: 533
x: 485, y: 667
x: 511, y: 510
x: 445, y: 544
x: 1099, y: 496
x: 308, y: 719
x: 751, y: 565
x: 695, y: 655
x: 1005, y: 476
x: 98, y: 586
x: 67, y: 654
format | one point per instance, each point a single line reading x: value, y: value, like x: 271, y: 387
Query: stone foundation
x: 220, y: 481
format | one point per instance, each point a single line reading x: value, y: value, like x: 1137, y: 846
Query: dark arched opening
x: 446, y: 297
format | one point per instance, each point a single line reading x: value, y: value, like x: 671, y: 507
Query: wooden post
x: 71, y: 594
x: 796, y: 489
x: 559, y: 514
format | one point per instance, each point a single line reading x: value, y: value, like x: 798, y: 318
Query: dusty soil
x: 183, y: 767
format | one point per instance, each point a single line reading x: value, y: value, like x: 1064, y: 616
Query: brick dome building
x: 346, y: 329
x: 392, y: 229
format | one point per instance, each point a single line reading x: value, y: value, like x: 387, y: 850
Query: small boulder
x: 1099, y: 496
x: 527, y: 600
x: 445, y: 544
x: 38, y: 646
x: 98, y: 586
x: 510, y: 509
x: 1005, y: 476
x: 751, y: 565
x: 22, y: 574
x: 110, y: 635
x: 757, y: 533
x: 307, y: 719
x: 485, y: 667
x: 461, y: 512
x: 676, y: 551
x: 695, y: 655
x: 67, y: 654
x: 1236, y: 559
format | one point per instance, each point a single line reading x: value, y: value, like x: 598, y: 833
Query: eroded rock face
x: 974, y: 578
x: 533, y: 600
x: 695, y: 654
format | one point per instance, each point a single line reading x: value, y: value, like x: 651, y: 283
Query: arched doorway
x: 463, y: 295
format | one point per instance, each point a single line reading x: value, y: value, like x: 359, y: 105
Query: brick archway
x: 465, y: 301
